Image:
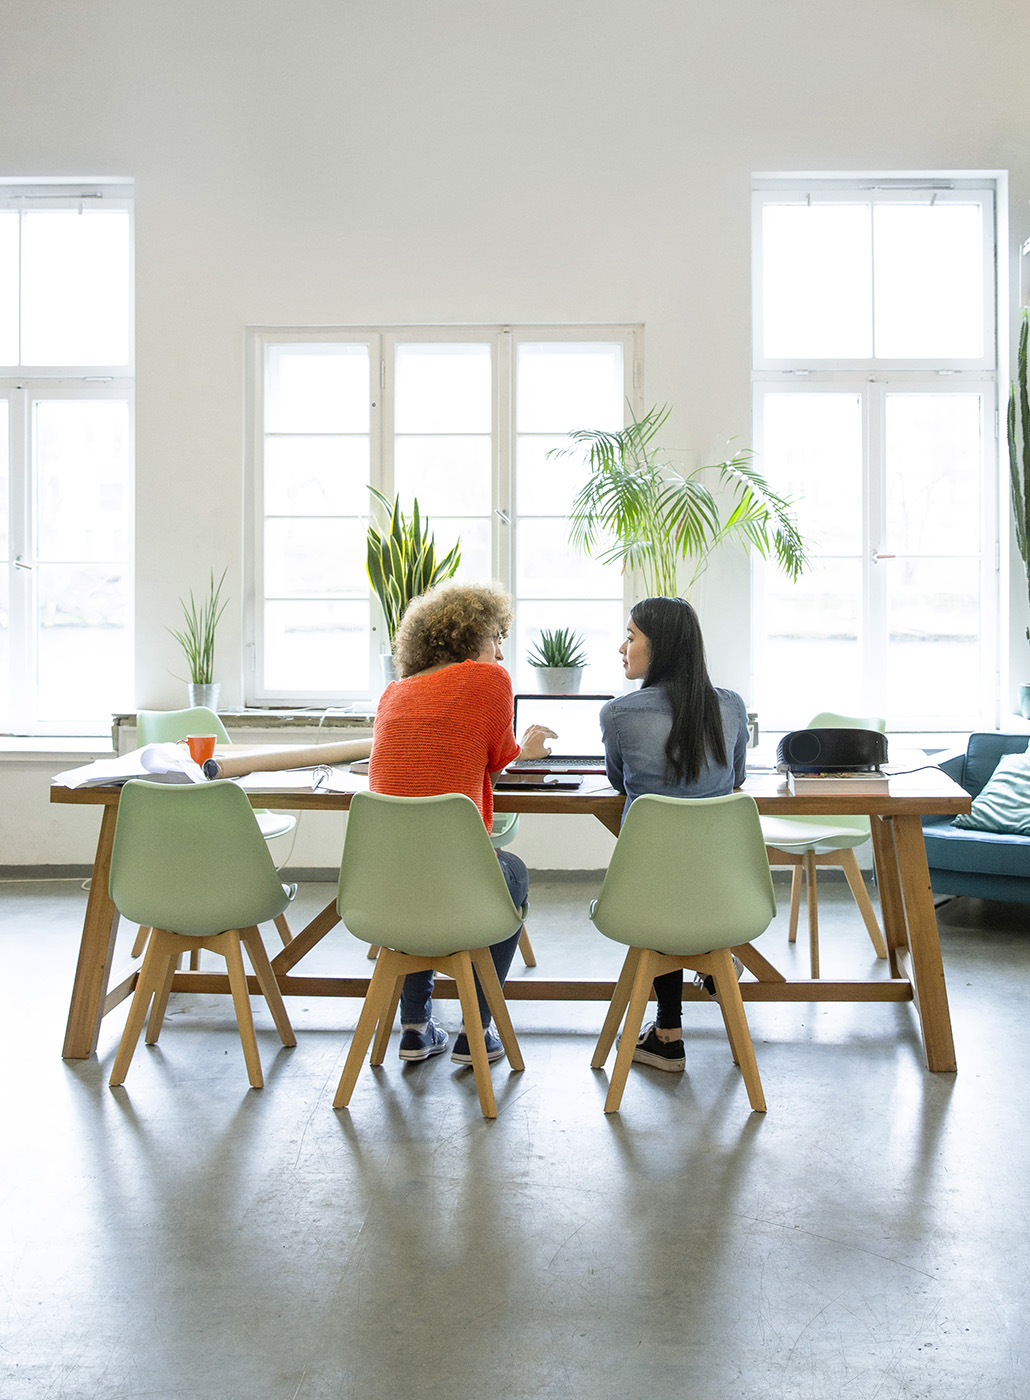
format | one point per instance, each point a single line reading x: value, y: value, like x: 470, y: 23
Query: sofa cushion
x: 949, y: 847
x: 982, y: 755
x: 1003, y: 803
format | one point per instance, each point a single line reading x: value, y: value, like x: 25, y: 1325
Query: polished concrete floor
x: 187, y: 1238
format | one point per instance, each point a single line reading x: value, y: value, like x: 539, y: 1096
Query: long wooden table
x: 915, y: 967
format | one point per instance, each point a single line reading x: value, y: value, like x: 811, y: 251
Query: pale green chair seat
x: 688, y: 885
x: 168, y: 727
x: 190, y: 863
x: 807, y: 842
x: 420, y: 880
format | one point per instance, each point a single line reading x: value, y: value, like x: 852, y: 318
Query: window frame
x: 382, y: 342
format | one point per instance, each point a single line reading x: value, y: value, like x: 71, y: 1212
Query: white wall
x: 324, y: 161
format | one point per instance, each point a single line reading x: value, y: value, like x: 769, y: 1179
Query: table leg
x: 924, y: 944
x: 95, y: 952
x: 892, y: 906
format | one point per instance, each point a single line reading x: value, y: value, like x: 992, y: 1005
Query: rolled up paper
x: 278, y: 760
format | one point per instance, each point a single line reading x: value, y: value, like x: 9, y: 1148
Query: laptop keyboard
x: 556, y: 765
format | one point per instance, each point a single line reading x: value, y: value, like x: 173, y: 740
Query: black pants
x: 668, y: 989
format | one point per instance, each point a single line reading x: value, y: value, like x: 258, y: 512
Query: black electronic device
x: 832, y: 750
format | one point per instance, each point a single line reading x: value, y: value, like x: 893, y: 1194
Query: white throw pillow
x: 1003, y: 805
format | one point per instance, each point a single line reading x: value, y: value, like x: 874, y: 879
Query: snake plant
x: 1019, y: 453
x: 402, y: 560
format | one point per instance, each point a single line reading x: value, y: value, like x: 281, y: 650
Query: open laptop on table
x: 575, y: 720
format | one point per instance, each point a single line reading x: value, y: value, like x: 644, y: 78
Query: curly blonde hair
x: 450, y: 623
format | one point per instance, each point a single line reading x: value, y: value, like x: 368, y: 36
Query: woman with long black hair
x: 677, y: 736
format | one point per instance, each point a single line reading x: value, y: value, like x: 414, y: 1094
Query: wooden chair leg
x: 853, y: 875
x: 386, y: 1023
x: 251, y: 939
x: 380, y: 989
x: 462, y: 972
x: 618, y: 1004
x: 194, y: 959
x: 284, y: 929
x: 140, y: 943
x: 487, y: 973
x: 813, y: 912
x: 731, y: 1005
x: 373, y: 952
x: 229, y: 945
x: 160, y: 1002
x: 795, y: 903
x: 641, y: 991
x: 151, y: 976
x: 526, y: 948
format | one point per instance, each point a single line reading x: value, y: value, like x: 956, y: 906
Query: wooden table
x: 915, y: 968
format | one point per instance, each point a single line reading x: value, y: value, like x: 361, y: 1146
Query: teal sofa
x: 979, y: 863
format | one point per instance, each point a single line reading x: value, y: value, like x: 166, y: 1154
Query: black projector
x: 831, y: 751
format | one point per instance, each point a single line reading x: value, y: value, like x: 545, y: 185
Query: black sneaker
x: 419, y: 1045
x: 659, y: 1054
x: 708, y: 983
x: 461, y: 1055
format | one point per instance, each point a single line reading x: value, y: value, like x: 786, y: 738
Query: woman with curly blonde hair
x: 446, y: 726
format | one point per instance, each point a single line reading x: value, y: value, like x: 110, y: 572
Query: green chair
x: 688, y: 883
x: 190, y: 863
x: 419, y: 879
x: 806, y: 842
x: 168, y: 727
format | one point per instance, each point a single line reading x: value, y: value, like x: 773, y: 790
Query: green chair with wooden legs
x: 688, y: 883
x: 807, y: 842
x: 190, y: 863
x: 420, y: 880
x: 168, y: 727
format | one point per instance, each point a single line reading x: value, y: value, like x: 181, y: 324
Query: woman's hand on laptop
x: 533, y: 745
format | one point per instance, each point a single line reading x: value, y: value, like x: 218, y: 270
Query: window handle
x: 504, y: 516
x: 20, y: 563
x: 877, y: 556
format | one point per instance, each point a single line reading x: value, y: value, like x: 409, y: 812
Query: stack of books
x: 839, y: 781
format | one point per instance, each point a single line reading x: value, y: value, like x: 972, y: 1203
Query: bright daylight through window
x: 875, y: 397
x: 66, y: 417
x: 463, y: 419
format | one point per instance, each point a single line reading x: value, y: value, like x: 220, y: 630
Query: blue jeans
x: 417, y: 992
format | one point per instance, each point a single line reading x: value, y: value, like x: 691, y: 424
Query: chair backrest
x: 190, y: 858
x: 169, y: 726
x: 687, y: 876
x: 419, y: 875
x: 826, y: 719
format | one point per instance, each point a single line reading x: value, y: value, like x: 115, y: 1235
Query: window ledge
x: 19, y: 748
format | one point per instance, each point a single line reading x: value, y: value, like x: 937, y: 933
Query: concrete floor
x: 187, y: 1238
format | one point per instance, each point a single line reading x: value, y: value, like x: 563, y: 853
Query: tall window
x: 875, y: 378
x: 66, y: 492
x: 462, y: 419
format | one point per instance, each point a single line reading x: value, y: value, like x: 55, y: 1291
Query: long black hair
x: 678, y: 665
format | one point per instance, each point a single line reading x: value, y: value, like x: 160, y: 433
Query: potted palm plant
x: 1019, y: 471
x: 196, y: 637
x: 402, y: 563
x: 559, y: 658
x: 636, y: 508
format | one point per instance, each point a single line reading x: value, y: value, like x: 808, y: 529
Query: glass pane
x: 474, y: 534
x: 602, y: 626
x: 84, y: 642
x: 561, y: 387
x: 442, y: 389
x: 8, y: 286
x: 812, y: 452
x: 317, y: 389
x: 314, y: 558
x: 316, y: 647
x: 817, y: 281
x: 548, y: 567
x: 5, y: 647
x: 446, y: 474
x: 545, y: 486
x: 5, y: 455
x: 934, y: 666
x: 316, y: 475
x: 929, y: 280
x: 75, y: 280
x: 82, y: 479
x: 934, y: 450
x: 812, y: 642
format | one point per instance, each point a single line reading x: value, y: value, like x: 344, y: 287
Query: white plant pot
x: 387, y: 667
x: 206, y: 695
x: 559, y: 680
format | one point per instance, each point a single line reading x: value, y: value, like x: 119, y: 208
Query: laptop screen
x: 574, y: 718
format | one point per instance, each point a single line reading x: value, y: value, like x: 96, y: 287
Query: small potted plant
x: 1019, y: 472
x: 402, y: 564
x: 197, y: 639
x: 559, y: 657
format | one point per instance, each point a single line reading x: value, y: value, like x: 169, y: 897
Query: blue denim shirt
x: 635, y: 728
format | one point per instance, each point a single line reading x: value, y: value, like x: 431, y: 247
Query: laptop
x: 576, y: 721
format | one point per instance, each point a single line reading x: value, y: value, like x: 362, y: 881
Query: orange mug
x: 201, y: 746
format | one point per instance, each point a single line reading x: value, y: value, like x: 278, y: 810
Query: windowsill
x: 15, y: 748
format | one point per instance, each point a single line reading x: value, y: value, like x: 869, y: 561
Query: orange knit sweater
x: 444, y: 732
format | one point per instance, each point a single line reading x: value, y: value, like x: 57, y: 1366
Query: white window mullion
x: 874, y: 546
